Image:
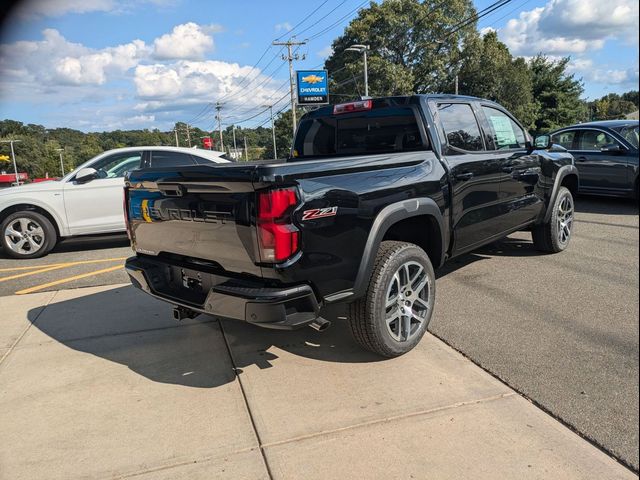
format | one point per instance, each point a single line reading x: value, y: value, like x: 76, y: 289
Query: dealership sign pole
x: 13, y: 157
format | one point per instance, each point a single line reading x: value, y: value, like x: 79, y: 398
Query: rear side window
x: 564, y: 138
x: 460, y: 126
x: 506, y: 133
x: 594, y: 140
x: 377, y: 131
x: 170, y: 159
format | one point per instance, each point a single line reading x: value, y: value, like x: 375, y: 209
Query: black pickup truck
x: 375, y: 194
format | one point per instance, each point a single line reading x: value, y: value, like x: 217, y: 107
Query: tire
x: 555, y: 235
x: 40, y: 239
x: 400, y: 268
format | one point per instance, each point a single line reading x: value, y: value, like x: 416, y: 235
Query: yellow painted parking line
x: 57, y: 266
x: 68, y: 279
x: 32, y: 267
x: 33, y: 272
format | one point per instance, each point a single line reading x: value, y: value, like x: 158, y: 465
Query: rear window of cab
x: 378, y: 130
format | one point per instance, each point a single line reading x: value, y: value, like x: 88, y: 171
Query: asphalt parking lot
x: 73, y: 263
x: 562, y: 330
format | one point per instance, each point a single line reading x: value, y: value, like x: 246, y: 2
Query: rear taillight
x: 125, y: 208
x: 277, y: 236
x: 359, y: 106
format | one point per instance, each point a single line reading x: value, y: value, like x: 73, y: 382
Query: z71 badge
x: 319, y: 213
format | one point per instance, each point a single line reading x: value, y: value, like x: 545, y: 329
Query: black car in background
x: 606, y: 154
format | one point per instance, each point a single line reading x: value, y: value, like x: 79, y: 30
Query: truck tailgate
x: 203, y: 213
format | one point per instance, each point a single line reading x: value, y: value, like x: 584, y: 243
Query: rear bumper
x: 285, y: 308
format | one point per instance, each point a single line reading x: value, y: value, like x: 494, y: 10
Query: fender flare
x: 388, y: 216
x: 562, y: 172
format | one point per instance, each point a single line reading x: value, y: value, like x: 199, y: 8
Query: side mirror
x: 543, y: 142
x: 611, y: 148
x: 86, y: 175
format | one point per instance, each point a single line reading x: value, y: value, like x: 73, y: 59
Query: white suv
x: 87, y: 201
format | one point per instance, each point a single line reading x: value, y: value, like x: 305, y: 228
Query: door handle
x: 507, y: 169
x: 463, y: 177
x: 581, y: 159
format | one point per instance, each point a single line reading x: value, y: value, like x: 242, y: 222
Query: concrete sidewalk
x: 102, y: 383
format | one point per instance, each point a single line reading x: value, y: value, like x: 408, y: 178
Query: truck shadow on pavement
x: 125, y: 326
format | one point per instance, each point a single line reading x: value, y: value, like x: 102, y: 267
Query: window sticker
x: 505, y: 135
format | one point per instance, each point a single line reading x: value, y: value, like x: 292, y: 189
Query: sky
x: 97, y: 65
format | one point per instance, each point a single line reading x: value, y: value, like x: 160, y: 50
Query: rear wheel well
x: 421, y: 230
x: 32, y: 208
x: 571, y: 182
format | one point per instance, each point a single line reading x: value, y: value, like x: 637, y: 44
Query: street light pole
x: 60, y: 150
x: 362, y: 49
x: 273, y: 130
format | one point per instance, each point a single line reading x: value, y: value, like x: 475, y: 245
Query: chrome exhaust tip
x: 320, y: 324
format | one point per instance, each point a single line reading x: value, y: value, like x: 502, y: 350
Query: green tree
x: 284, y: 135
x: 556, y: 93
x: 613, y: 106
x: 489, y: 71
x: 414, y: 48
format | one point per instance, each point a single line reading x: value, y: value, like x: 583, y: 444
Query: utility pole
x: 188, y: 136
x: 273, y: 130
x: 235, y: 147
x: 290, y: 57
x: 13, y: 157
x: 175, y: 130
x: 246, y: 152
x: 219, y: 118
x: 60, y: 150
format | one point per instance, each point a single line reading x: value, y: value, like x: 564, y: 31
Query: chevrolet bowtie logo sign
x: 312, y: 87
x: 312, y: 79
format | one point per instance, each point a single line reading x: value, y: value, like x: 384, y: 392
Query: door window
x: 460, y: 126
x: 115, y: 166
x: 564, y: 138
x: 170, y: 159
x: 506, y: 133
x: 594, y: 140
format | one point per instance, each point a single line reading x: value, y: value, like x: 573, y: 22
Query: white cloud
x: 326, y: 52
x: 92, y: 68
x: 188, y: 41
x: 613, y: 78
x: 564, y: 27
x: 55, y: 61
x: 126, y: 85
x: 163, y: 87
x: 283, y: 27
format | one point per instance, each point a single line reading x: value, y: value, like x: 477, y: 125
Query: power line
x: 321, y: 32
x: 508, y: 13
x: 323, y: 17
x: 482, y: 13
x: 286, y: 34
x: 250, y: 71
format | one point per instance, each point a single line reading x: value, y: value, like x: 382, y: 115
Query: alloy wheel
x: 24, y: 236
x: 565, y: 219
x: 408, y: 302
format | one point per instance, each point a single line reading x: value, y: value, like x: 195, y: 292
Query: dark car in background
x: 606, y: 155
